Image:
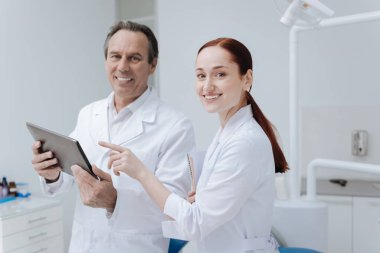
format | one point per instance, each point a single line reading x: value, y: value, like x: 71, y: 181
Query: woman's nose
x: 208, y: 86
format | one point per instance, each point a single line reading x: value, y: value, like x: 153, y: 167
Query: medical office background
x: 52, y: 64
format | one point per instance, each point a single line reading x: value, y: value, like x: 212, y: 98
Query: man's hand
x: 95, y: 193
x: 45, y: 164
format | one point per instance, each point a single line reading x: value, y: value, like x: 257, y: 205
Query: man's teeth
x: 211, y: 97
x: 124, y: 78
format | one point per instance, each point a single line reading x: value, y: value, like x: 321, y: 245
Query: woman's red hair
x: 241, y: 55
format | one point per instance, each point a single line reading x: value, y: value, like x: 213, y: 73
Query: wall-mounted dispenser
x: 359, y: 142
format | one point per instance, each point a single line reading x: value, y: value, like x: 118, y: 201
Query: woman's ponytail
x: 281, y: 164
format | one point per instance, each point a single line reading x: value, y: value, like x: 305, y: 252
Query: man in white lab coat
x: 116, y: 214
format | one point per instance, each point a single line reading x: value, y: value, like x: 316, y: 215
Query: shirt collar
x: 132, y: 106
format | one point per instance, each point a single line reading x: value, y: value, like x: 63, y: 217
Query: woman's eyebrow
x: 216, y: 67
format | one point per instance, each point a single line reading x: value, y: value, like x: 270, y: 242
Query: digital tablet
x: 67, y: 150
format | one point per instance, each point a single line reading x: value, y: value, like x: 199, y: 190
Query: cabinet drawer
x: 51, y: 245
x: 34, y: 235
x: 31, y: 220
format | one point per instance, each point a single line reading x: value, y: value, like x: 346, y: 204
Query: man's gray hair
x: 134, y: 27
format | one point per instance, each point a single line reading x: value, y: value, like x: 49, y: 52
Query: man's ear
x: 153, y: 65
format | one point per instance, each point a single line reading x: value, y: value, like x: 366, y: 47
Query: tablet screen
x: 66, y: 149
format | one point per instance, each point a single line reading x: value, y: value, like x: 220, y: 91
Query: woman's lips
x: 211, y: 96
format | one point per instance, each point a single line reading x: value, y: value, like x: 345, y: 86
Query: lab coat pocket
x: 138, y: 242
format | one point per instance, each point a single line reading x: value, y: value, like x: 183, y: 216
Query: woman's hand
x: 122, y: 159
x: 191, y: 197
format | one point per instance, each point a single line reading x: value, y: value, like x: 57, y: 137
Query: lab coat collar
x: 233, y: 124
x: 146, y: 113
x: 243, y: 115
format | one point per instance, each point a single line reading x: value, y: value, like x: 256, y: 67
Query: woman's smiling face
x: 220, y: 86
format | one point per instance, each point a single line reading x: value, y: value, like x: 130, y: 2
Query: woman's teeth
x: 212, y: 97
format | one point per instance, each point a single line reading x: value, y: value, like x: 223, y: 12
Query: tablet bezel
x: 67, y: 150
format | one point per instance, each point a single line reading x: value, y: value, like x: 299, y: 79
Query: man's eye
x: 135, y: 59
x: 114, y: 57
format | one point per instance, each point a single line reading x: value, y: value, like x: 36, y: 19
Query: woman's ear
x: 248, y: 80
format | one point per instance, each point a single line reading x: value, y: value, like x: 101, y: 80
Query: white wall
x: 338, y: 66
x: 339, y: 80
x: 135, y: 9
x: 326, y: 133
x: 51, y: 64
x: 183, y: 26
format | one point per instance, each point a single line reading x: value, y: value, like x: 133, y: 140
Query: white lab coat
x: 235, y: 193
x: 160, y: 137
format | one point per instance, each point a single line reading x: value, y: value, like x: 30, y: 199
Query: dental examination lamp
x: 305, y: 13
x: 303, y: 222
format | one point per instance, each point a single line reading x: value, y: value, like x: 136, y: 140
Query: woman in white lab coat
x: 232, y: 211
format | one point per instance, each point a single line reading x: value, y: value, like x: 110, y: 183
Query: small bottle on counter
x: 12, y: 189
x: 5, y: 187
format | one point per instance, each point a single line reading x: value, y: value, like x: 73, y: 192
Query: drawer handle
x: 37, y: 235
x: 37, y: 219
x: 341, y: 182
x: 39, y: 250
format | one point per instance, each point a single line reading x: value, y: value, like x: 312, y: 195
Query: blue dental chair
x: 296, y: 250
x: 176, y: 246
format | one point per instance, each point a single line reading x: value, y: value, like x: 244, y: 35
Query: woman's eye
x: 201, y: 76
x: 219, y: 75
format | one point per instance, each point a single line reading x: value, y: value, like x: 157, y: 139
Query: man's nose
x: 123, y: 65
